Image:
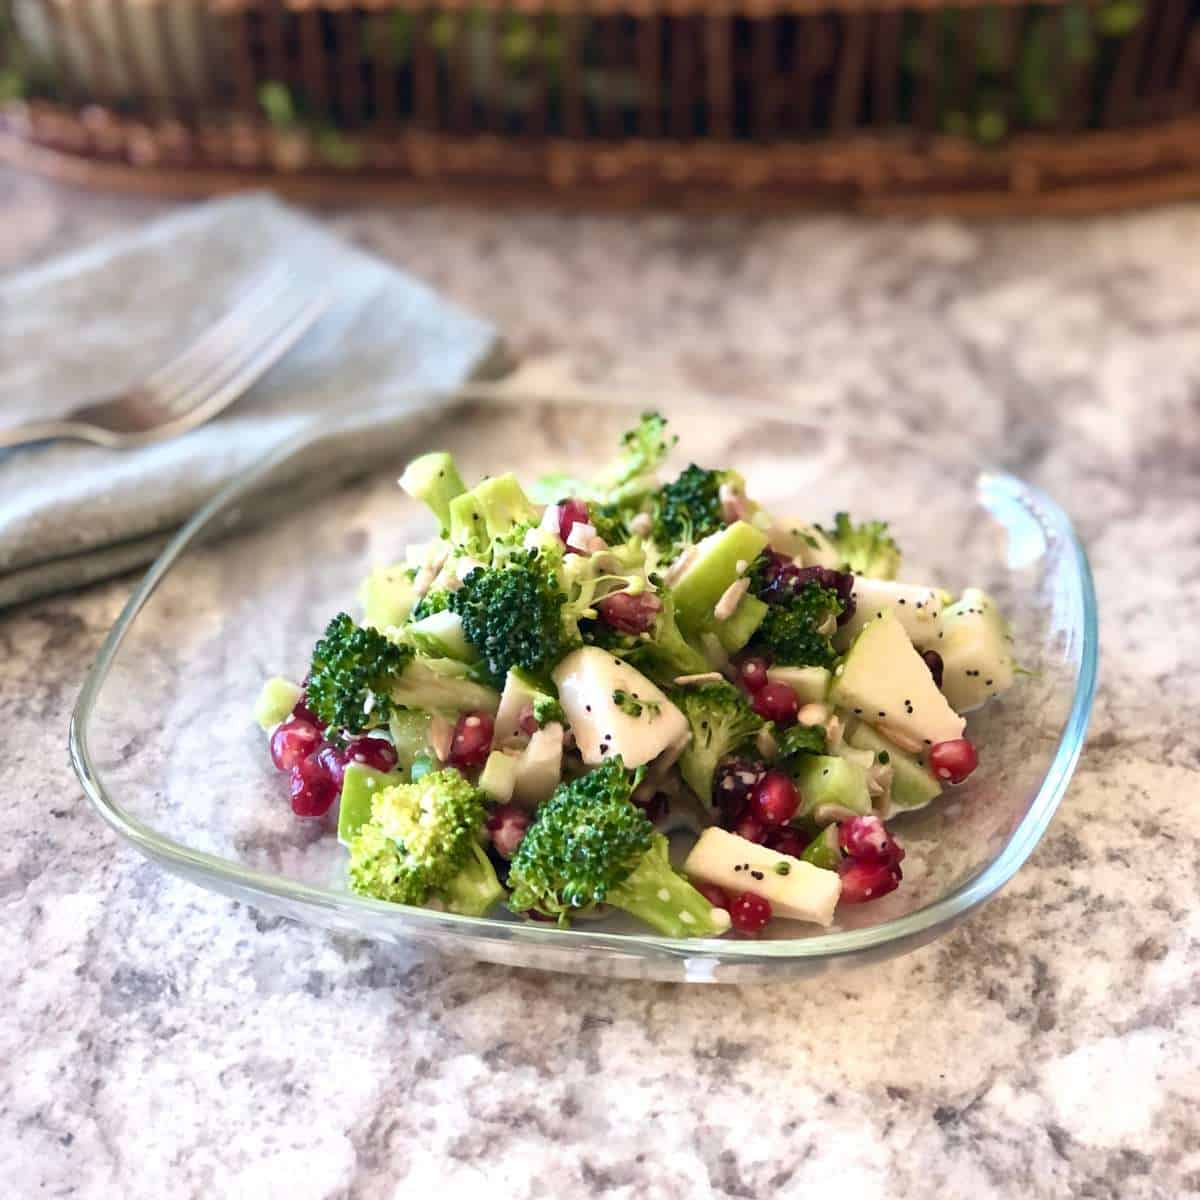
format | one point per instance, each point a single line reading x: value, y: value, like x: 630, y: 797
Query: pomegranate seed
x: 303, y: 713
x: 733, y: 782
x: 372, y: 752
x: 752, y: 829
x: 472, y: 740
x: 292, y: 742
x: 786, y: 841
x: 774, y: 801
x: 628, y: 613
x: 333, y: 763
x: 749, y: 913
x: 753, y: 673
x: 866, y: 839
x: 507, y: 825
x: 775, y: 702
x: 570, y: 513
x: 933, y: 660
x: 312, y: 790
x: 953, y: 761
x: 863, y: 881
x: 716, y: 896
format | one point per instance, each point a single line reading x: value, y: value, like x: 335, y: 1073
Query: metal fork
x: 220, y: 366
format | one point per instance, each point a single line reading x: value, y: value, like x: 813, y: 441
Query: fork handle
x: 41, y: 431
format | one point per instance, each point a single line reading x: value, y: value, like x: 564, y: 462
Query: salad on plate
x: 533, y: 699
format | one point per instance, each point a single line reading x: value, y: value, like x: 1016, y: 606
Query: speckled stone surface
x: 159, y: 1040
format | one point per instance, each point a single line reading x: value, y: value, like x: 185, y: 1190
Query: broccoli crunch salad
x: 532, y: 700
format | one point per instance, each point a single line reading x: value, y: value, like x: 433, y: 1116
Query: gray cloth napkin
x: 105, y: 318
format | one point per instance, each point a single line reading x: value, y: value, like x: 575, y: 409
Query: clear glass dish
x: 163, y: 742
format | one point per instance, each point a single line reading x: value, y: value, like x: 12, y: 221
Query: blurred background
x: 923, y: 106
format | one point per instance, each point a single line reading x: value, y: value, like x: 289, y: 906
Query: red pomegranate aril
x: 507, y: 825
x: 775, y: 702
x: 716, y: 896
x: 472, y: 740
x: 570, y: 514
x: 312, y: 790
x: 526, y: 721
x: 333, y: 763
x: 752, y: 829
x: 867, y: 840
x: 372, y: 752
x: 733, y: 783
x: 786, y: 841
x: 863, y: 881
x: 775, y: 800
x: 753, y: 673
x: 629, y: 613
x: 292, y: 742
x: 953, y: 761
x: 749, y: 913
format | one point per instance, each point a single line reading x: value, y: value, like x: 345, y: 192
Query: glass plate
x: 164, y: 745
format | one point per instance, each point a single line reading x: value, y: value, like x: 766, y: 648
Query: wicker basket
x: 760, y: 104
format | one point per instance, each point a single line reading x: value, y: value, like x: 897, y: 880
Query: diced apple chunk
x: 796, y: 890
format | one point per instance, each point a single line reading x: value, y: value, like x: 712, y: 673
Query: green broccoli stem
x: 434, y: 479
x: 475, y: 888
x: 655, y: 893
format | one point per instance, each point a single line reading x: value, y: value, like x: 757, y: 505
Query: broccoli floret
x: 802, y: 612
x: 514, y: 616
x: 689, y: 508
x: 422, y: 842
x: 547, y: 711
x: 721, y: 722
x: 800, y: 739
x: 627, y: 478
x: 868, y: 549
x: 643, y: 449
x: 798, y: 633
x: 352, y: 672
x: 662, y: 654
x: 432, y: 602
x: 591, y: 845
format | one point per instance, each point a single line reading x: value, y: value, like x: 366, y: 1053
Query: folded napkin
x: 105, y: 318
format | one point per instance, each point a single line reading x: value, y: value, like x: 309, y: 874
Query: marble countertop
x: 160, y: 1040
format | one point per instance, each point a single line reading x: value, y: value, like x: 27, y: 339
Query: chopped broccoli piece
x: 689, y: 508
x: 503, y: 504
x: 627, y: 478
x: 793, y: 636
x: 547, y: 711
x: 721, y: 722
x: 434, y: 479
x: 867, y: 549
x: 801, y: 617
x: 432, y: 602
x: 421, y: 837
x: 474, y: 888
x: 591, y: 845
x: 643, y: 449
x: 352, y: 673
x: 800, y: 739
x: 514, y: 616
